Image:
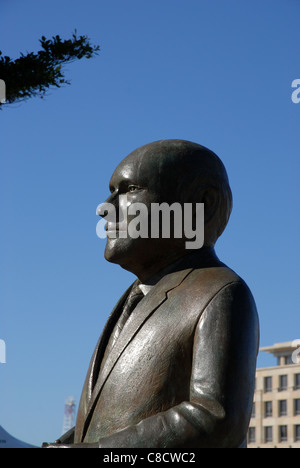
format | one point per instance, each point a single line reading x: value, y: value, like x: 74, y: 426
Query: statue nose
x: 107, y: 211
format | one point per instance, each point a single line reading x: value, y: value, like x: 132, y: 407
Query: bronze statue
x: 177, y: 368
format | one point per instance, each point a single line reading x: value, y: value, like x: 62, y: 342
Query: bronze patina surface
x: 178, y: 369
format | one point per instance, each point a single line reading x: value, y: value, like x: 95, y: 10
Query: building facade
x: 275, y: 421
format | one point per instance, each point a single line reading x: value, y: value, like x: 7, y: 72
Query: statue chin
x: 117, y: 250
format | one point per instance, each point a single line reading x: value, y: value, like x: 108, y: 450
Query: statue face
x: 165, y: 172
x: 137, y: 179
x: 124, y: 183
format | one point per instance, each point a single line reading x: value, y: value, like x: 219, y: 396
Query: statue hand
x: 67, y: 446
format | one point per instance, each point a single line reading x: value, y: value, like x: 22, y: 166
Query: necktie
x: 132, y: 301
x: 135, y: 296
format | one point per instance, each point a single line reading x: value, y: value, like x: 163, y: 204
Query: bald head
x: 186, y: 172
x: 169, y: 172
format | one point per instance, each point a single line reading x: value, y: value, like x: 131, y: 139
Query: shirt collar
x: 145, y: 288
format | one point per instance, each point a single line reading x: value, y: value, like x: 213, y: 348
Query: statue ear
x: 210, y: 198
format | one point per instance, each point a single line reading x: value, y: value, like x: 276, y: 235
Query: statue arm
x: 222, y: 382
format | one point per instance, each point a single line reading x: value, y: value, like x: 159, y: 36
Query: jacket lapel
x: 142, y: 312
x: 103, y: 340
x: 95, y: 364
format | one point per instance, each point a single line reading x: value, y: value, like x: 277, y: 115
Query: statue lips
x: 112, y: 228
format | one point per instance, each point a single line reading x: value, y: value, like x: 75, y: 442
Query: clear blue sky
x: 212, y: 71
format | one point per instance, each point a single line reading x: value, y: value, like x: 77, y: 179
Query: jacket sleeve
x: 221, y: 386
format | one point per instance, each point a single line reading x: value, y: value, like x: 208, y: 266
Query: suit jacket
x: 182, y: 372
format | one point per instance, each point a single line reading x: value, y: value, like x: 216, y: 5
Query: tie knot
x: 135, y: 295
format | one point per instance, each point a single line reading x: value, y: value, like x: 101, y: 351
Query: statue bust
x: 175, y: 364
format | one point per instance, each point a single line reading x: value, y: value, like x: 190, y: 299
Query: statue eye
x: 132, y: 188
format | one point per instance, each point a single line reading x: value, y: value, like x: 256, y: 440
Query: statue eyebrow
x: 123, y: 184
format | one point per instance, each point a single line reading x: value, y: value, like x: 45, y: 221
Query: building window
x: 288, y: 360
x: 268, y: 409
x: 283, y: 383
x: 268, y: 384
x: 297, y: 433
x: 268, y: 434
x: 252, y: 435
x: 297, y: 381
x: 253, y: 411
x: 297, y: 407
x: 283, y: 434
x: 282, y: 408
x: 278, y: 361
